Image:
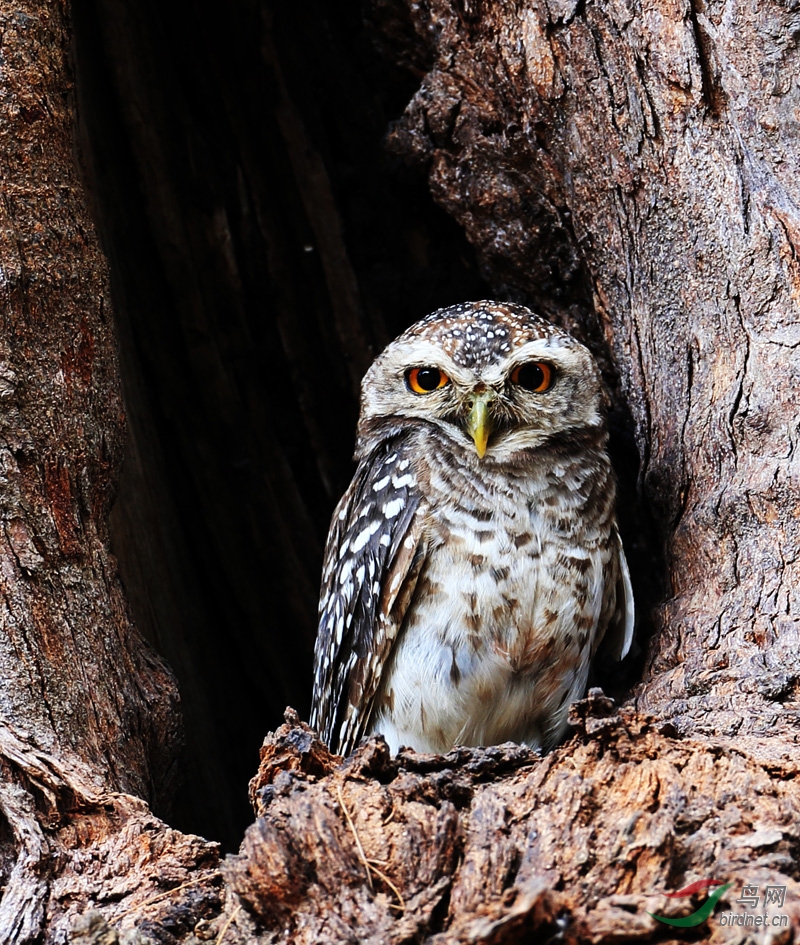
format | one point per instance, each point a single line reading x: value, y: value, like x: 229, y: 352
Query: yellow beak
x: 479, y: 421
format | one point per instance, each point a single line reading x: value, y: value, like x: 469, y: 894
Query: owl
x: 474, y: 564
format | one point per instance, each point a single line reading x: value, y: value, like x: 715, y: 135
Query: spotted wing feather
x: 619, y: 601
x: 372, y: 556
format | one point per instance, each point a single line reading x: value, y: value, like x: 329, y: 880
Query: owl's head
x: 493, y: 377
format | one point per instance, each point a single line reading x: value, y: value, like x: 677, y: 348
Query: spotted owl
x: 474, y: 564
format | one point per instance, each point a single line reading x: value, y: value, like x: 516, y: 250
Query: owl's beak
x: 479, y: 421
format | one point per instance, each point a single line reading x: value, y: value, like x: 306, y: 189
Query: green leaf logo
x: 689, y: 921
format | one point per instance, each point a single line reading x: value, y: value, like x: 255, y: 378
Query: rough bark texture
x: 639, y: 161
x: 489, y: 846
x: 632, y: 170
x: 86, y: 708
x: 497, y: 845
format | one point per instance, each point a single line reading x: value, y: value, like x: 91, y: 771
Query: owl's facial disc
x: 500, y: 389
x: 478, y: 422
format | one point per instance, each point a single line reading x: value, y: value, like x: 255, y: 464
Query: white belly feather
x: 499, y: 636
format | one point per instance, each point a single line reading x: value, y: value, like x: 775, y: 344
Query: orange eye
x: 535, y: 376
x: 425, y: 380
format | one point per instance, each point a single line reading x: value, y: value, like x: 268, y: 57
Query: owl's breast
x: 498, y: 637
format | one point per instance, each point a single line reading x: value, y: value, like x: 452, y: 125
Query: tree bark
x: 630, y: 170
x: 87, y: 708
x: 640, y: 162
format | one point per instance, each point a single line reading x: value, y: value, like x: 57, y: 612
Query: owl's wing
x: 372, y: 560
x: 619, y: 635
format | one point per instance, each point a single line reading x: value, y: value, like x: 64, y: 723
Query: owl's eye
x: 535, y: 376
x: 424, y: 380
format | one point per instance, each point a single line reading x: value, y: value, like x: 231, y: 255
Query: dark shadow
x: 263, y: 246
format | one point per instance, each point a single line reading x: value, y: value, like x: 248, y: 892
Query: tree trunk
x: 87, y: 707
x: 631, y: 171
x: 641, y: 162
